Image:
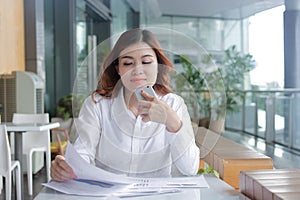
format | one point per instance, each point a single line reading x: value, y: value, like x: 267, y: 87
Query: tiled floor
x: 282, y: 157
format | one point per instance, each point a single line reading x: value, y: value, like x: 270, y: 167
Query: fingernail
x: 74, y: 176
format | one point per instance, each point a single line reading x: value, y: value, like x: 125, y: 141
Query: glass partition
x: 91, y: 28
x: 214, y: 35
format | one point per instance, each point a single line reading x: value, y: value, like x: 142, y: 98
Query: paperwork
x: 93, y: 181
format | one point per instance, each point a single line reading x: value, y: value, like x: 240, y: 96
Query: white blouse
x: 112, y: 138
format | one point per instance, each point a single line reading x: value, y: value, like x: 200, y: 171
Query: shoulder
x: 95, y: 100
x: 172, y: 99
x: 94, y: 105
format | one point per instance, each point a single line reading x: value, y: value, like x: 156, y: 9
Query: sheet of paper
x: 81, y: 188
x: 84, y: 170
x: 93, y: 181
x: 175, y: 182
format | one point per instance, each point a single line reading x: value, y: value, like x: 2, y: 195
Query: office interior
x: 61, y: 44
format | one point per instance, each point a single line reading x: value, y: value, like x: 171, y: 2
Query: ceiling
x: 225, y: 9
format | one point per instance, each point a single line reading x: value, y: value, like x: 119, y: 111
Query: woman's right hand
x: 60, y: 170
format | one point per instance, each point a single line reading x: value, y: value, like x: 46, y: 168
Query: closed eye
x: 147, y: 62
x: 127, y: 63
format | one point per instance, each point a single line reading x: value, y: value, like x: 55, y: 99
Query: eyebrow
x: 130, y: 57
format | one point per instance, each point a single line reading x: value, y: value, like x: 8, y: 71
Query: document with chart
x: 93, y: 181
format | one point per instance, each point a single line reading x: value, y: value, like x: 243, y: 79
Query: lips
x: 135, y: 80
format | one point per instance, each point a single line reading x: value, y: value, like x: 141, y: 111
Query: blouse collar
x: 124, y: 118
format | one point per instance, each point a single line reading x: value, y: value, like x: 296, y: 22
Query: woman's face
x: 138, y: 66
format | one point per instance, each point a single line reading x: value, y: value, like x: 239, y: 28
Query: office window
x: 120, y: 10
x: 214, y: 35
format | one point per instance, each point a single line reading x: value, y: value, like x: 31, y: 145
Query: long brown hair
x: 110, y: 77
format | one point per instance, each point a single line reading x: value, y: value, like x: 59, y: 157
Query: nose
x: 137, y: 70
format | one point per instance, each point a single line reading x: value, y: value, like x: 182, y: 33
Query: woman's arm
x: 184, y: 151
x: 88, y: 127
x: 172, y: 111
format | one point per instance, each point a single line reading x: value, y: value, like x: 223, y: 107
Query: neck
x: 130, y: 100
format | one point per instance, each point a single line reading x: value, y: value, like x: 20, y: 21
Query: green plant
x: 217, y: 89
x: 69, y: 106
x: 208, y: 170
x: 200, y: 87
x: 233, y: 68
x: 195, y: 81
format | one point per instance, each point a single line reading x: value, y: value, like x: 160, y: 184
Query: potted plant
x: 187, y: 82
x: 69, y: 106
x: 67, y: 109
x: 217, y: 90
x: 201, y: 89
x: 234, y: 66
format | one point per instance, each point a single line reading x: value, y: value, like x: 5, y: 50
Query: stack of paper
x: 93, y: 181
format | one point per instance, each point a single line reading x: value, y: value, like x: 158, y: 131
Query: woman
x: 117, y: 132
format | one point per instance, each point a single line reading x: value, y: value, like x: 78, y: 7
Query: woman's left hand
x: 156, y: 110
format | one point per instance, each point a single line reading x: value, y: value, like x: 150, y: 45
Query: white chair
x: 7, y: 166
x: 34, y: 142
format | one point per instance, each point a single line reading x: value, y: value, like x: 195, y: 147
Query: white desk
x: 218, y: 190
x: 19, y: 129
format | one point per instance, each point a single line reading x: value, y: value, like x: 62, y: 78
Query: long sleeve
x: 89, y: 130
x: 184, y: 151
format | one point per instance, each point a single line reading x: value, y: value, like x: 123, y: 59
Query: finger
x: 62, y: 169
x: 63, y: 164
x: 145, y: 117
x: 55, y: 172
x: 144, y: 104
x: 60, y: 174
x: 147, y: 96
x: 158, y: 114
x: 55, y: 175
x: 66, y: 170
